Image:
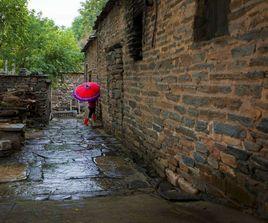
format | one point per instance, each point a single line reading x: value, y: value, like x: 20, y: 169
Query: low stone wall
x: 38, y: 87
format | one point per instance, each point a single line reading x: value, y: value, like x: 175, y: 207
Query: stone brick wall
x: 91, y: 60
x: 194, y: 110
x: 39, y: 86
x: 115, y: 89
x: 110, y: 34
x: 62, y: 99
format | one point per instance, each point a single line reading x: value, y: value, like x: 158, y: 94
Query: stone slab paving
x: 72, y: 173
x: 68, y: 161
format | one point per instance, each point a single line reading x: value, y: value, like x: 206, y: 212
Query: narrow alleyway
x: 71, y: 173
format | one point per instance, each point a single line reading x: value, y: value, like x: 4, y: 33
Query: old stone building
x: 184, y: 84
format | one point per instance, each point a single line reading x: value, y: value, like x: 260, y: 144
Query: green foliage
x: 78, y: 27
x: 13, y: 19
x: 83, y: 25
x: 49, y: 49
x: 37, y: 43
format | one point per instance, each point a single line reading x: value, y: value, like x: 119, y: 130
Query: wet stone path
x: 68, y: 161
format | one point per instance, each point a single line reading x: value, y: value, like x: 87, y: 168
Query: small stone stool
x: 5, y: 148
x: 15, y: 133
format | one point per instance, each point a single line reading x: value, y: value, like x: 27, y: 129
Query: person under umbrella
x: 88, y: 92
x: 91, y: 113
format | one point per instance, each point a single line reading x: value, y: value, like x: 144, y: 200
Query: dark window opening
x: 137, y: 37
x: 211, y: 19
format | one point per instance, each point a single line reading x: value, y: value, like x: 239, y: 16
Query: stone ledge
x: 13, y: 173
x: 12, y: 127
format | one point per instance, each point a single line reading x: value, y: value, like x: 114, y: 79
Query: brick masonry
x: 39, y: 87
x: 196, y: 109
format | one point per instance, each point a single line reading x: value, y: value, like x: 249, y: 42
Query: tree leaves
x: 36, y: 43
x: 83, y: 24
x: 13, y: 17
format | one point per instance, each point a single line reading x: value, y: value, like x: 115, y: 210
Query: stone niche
x: 25, y: 99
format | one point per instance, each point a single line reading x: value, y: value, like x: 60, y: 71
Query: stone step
x: 6, y: 127
x: 5, y: 120
x: 13, y: 173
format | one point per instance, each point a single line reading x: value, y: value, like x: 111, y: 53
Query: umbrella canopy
x: 89, y: 91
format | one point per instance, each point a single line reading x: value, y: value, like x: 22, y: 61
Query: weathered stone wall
x: 110, y: 34
x: 62, y: 99
x: 197, y: 110
x: 115, y: 89
x: 91, y: 60
x: 39, y: 86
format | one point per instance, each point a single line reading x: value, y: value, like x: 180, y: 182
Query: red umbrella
x: 89, y: 91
